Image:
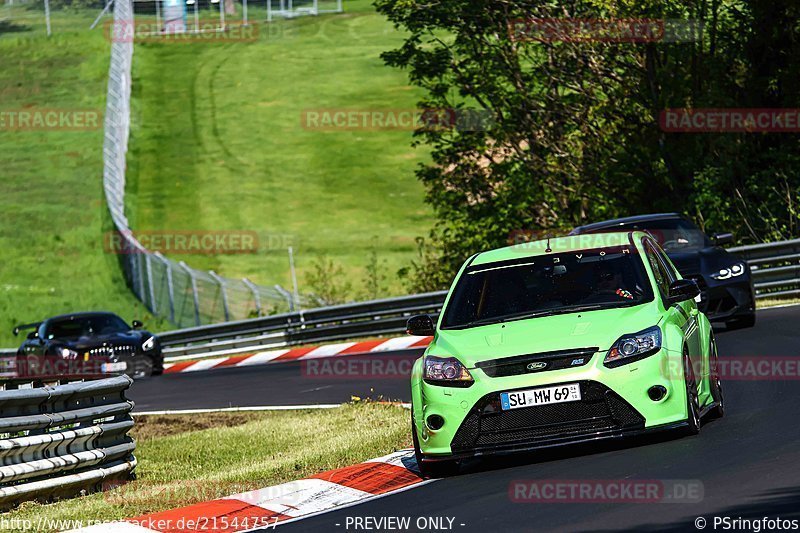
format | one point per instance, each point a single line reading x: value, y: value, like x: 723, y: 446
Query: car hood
x: 590, y: 329
x: 705, y: 260
x: 112, y: 339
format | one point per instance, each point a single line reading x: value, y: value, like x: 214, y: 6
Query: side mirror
x: 723, y: 238
x: 32, y: 335
x: 420, y: 325
x: 681, y: 290
x: 137, y: 324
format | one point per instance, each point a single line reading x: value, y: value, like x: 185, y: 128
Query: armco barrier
x: 323, y: 324
x: 775, y: 267
x: 59, y: 441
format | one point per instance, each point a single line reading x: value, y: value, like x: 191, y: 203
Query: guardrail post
x: 221, y: 283
x: 195, y: 296
x: 256, y: 296
x: 170, y: 287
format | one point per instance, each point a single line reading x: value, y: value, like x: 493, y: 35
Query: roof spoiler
x: 21, y: 327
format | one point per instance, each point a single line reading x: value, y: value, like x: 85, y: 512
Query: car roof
x: 570, y: 243
x: 625, y: 221
x: 83, y: 314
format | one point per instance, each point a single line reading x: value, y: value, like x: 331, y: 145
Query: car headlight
x: 446, y: 371
x: 66, y: 353
x: 630, y: 348
x: 730, y: 272
x: 149, y: 344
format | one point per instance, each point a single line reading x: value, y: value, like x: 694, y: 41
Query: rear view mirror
x: 681, y: 290
x: 32, y: 335
x: 137, y: 324
x: 723, y: 238
x: 420, y: 325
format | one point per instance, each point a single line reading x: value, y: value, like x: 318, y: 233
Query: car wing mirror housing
x: 137, y: 324
x: 723, y: 238
x: 420, y: 325
x: 682, y: 289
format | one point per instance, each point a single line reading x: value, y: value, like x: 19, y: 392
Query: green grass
x: 193, y: 458
x: 52, y: 210
x: 218, y: 143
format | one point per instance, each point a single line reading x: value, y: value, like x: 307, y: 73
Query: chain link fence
x: 174, y: 290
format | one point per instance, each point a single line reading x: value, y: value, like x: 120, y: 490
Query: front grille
x: 600, y: 412
x: 518, y: 364
x: 112, y: 351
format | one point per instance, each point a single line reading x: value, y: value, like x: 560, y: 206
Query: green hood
x: 544, y: 334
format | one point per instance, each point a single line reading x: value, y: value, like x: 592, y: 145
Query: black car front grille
x: 536, y: 362
x: 600, y: 412
x: 121, y: 350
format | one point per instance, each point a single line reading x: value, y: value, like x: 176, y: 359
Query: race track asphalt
x: 746, y: 465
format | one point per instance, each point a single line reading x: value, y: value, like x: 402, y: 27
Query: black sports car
x: 87, y: 345
x: 724, y: 279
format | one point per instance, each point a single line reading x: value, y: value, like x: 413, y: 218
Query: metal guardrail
x: 324, y: 324
x: 58, y: 441
x: 775, y: 267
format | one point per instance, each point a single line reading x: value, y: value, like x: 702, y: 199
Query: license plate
x: 569, y: 392
x: 114, y: 367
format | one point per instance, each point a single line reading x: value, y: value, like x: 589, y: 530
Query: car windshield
x: 85, y: 326
x: 673, y: 234
x: 546, y: 285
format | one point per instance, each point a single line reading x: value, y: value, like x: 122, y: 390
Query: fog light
x: 657, y: 393
x: 435, y: 422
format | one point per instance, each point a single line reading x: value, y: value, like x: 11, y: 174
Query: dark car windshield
x: 548, y: 284
x: 85, y: 326
x: 673, y: 234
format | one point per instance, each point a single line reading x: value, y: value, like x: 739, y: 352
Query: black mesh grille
x: 542, y: 362
x: 600, y: 411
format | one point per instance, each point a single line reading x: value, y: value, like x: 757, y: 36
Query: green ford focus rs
x: 561, y: 341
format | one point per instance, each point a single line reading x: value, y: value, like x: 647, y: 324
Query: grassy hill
x: 52, y: 211
x: 218, y: 143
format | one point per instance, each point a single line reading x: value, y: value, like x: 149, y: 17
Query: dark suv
x: 724, y: 279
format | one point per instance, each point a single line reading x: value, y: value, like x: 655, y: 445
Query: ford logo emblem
x: 536, y: 366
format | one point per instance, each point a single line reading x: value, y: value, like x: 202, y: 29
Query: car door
x: 686, y: 310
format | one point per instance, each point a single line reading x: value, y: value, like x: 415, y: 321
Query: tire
x: 427, y: 469
x: 142, y: 368
x: 741, y: 322
x: 692, y: 397
x: 715, y: 382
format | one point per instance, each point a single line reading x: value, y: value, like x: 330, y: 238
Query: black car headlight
x: 733, y: 271
x: 149, y: 344
x: 67, y: 353
x: 446, y: 371
x: 633, y: 347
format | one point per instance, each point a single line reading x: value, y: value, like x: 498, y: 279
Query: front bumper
x: 721, y: 301
x: 614, y: 404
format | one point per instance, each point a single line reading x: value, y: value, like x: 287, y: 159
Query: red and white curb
x: 297, y: 354
x: 291, y: 501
